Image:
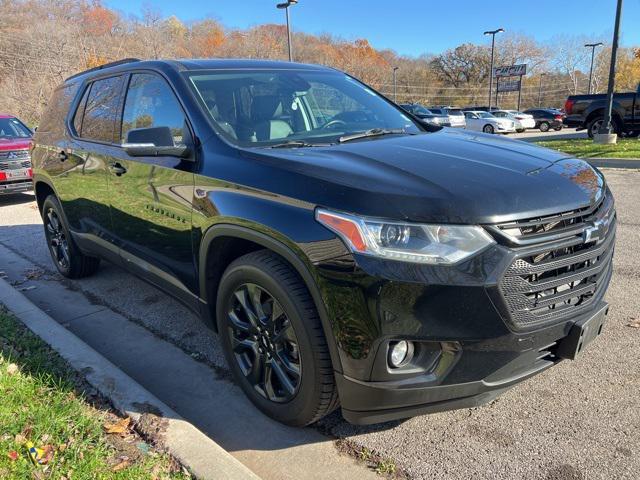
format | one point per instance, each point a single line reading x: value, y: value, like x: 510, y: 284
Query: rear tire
x: 557, y: 129
x: 488, y: 129
x: 520, y: 130
x: 593, y: 126
x: 66, y: 255
x: 259, y: 345
x: 544, y: 126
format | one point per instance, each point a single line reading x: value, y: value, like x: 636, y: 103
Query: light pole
x: 493, y: 45
x: 286, y: 6
x: 593, y: 51
x: 540, y: 90
x: 605, y: 128
x: 395, y: 85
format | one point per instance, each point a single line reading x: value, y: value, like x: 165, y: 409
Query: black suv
x: 346, y: 254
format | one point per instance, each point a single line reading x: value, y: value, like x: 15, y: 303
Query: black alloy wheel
x: 544, y: 126
x: 57, y: 240
x: 264, y: 343
x: 66, y: 255
x: 273, y: 339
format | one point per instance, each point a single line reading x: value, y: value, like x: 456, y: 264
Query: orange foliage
x: 95, y: 61
x: 97, y: 20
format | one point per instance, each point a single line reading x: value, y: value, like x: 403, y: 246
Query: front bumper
x: 16, y: 187
x: 365, y: 403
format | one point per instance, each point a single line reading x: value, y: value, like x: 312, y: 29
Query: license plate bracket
x: 17, y: 174
x: 582, y: 333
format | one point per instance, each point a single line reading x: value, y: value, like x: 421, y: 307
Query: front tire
x: 66, y: 255
x: 273, y: 340
x: 488, y: 129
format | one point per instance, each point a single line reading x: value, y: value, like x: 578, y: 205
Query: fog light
x: 400, y: 353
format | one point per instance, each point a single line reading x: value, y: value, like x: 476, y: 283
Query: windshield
x: 455, y: 112
x: 484, y: 115
x: 269, y: 107
x: 13, y: 128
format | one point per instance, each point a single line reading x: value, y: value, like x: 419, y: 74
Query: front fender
x: 284, y: 226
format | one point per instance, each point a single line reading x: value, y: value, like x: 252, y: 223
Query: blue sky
x: 413, y: 27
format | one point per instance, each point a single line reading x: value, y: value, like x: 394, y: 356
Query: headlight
x: 408, y: 242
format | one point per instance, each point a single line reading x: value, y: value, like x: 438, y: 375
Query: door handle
x: 62, y: 155
x: 117, y: 169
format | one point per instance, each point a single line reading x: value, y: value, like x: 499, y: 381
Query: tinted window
x: 455, y: 111
x: 101, y: 110
x: 77, y: 118
x: 54, y: 117
x: 150, y: 102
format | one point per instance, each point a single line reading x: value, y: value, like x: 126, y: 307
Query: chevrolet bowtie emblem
x: 596, y: 232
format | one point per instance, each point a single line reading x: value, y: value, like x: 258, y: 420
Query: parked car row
x: 484, y: 119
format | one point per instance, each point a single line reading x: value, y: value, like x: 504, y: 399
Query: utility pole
x: 395, y: 85
x: 493, y: 46
x: 540, y: 90
x: 593, y: 51
x: 286, y: 6
x: 605, y: 128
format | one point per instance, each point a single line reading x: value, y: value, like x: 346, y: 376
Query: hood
x: 446, y: 176
x: 7, y: 144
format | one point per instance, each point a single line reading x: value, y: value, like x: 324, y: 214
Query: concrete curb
x: 625, y: 163
x: 201, y: 455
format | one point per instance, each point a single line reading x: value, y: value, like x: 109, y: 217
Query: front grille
x: 14, y: 155
x: 15, y: 159
x: 555, y: 280
x: 549, y: 227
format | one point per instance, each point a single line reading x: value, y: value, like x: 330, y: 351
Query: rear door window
x: 101, y: 110
x: 77, y: 117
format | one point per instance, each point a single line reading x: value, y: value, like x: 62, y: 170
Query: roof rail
x: 106, y: 65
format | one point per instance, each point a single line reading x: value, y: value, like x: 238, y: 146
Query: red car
x: 15, y: 155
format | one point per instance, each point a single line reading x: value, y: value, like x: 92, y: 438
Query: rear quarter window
x: 53, y: 119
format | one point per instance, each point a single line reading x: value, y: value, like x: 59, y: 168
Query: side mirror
x: 154, y: 142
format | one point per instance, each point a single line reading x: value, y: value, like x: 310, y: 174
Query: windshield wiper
x: 297, y: 144
x: 374, y: 132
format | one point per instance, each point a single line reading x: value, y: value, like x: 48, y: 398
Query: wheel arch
x: 246, y: 240
x: 42, y: 189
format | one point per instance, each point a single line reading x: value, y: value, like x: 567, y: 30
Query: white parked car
x: 522, y: 120
x: 488, y: 123
x: 456, y: 116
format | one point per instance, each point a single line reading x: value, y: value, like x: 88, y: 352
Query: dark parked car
x: 587, y: 111
x: 426, y: 116
x: 546, y: 118
x: 346, y: 255
x: 15, y: 156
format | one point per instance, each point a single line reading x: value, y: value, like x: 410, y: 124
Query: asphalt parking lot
x: 578, y: 420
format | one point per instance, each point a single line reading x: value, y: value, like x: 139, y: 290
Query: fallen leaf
x: 20, y: 439
x: 47, y: 455
x: 12, y: 369
x: 44, y: 438
x: 13, y: 455
x: 26, y: 431
x: 121, y: 466
x: 62, y: 447
x: 120, y: 426
x: 634, y: 323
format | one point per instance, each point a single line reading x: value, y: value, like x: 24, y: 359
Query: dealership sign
x: 508, y: 86
x: 511, y: 70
